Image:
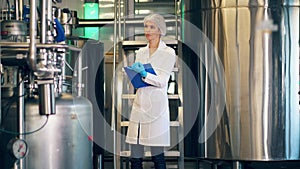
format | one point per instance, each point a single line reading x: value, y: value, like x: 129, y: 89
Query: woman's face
x: 151, y: 30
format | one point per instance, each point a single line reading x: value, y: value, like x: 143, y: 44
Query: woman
x: 149, y: 121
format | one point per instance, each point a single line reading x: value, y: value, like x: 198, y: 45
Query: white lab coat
x: 150, y: 109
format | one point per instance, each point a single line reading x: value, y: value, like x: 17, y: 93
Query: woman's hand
x: 139, y: 68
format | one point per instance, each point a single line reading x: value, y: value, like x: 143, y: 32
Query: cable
x: 9, y: 104
x: 6, y: 111
x: 11, y: 101
x: 26, y: 133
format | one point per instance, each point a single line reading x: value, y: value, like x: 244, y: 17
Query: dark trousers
x: 137, y: 154
x: 137, y: 150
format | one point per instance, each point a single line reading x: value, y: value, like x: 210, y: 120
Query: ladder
x: 126, y: 55
x: 176, y: 151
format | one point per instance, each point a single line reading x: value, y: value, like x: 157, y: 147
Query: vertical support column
x: 21, y: 113
x: 43, y: 32
x: 237, y: 165
x: 19, y: 9
x: 181, y: 135
x: 17, y: 14
x: 32, y: 31
x: 214, y: 166
x: 113, y: 111
x: 79, y: 85
x: 129, y: 13
x: 99, y: 161
x: 176, y: 19
x: 1, y: 74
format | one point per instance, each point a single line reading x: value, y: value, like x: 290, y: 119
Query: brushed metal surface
x: 261, y: 118
x: 65, y: 142
x: 209, y: 4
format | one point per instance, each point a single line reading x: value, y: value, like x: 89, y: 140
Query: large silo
x: 257, y: 43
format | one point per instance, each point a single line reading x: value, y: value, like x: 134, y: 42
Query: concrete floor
x: 199, y: 164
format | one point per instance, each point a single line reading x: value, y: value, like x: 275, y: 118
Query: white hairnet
x: 159, y: 21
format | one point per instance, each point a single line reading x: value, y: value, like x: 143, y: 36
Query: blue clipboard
x: 136, y: 78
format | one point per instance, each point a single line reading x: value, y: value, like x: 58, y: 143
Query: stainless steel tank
x: 66, y: 140
x: 14, y: 30
x: 257, y: 43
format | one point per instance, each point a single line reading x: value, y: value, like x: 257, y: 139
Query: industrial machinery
x: 42, y: 125
x: 243, y: 56
x: 256, y: 60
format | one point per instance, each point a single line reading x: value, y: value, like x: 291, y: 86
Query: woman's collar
x: 161, y: 45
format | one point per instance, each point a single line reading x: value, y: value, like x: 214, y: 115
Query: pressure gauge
x: 18, y: 148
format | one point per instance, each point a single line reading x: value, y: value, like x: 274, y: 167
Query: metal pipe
x: 98, y: 22
x: 73, y: 48
x: 237, y: 165
x: 1, y: 74
x: 21, y: 4
x: 110, y: 22
x: 32, y: 31
x: 43, y: 32
x: 21, y: 113
x: 211, y: 4
x: 19, y: 9
x: 49, y: 10
x: 129, y: 13
x: 46, y: 91
x: 149, y: 5
x: 176, y: 19
x: 113, y: 126
x: 17, y: 14
x: 99, y: 161
x: 26, y: 45
x: 119, y: 19
x: 79, y: 93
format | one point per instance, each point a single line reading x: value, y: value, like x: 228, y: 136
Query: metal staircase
x: 125, y: 52
x: 176, y: 150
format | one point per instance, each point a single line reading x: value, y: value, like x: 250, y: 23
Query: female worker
x: 149, y: 120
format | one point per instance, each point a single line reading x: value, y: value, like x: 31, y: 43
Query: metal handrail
x: 110, y: 22
x: 28, y: 45
x: 32, y: 30
x: 113, y: 126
